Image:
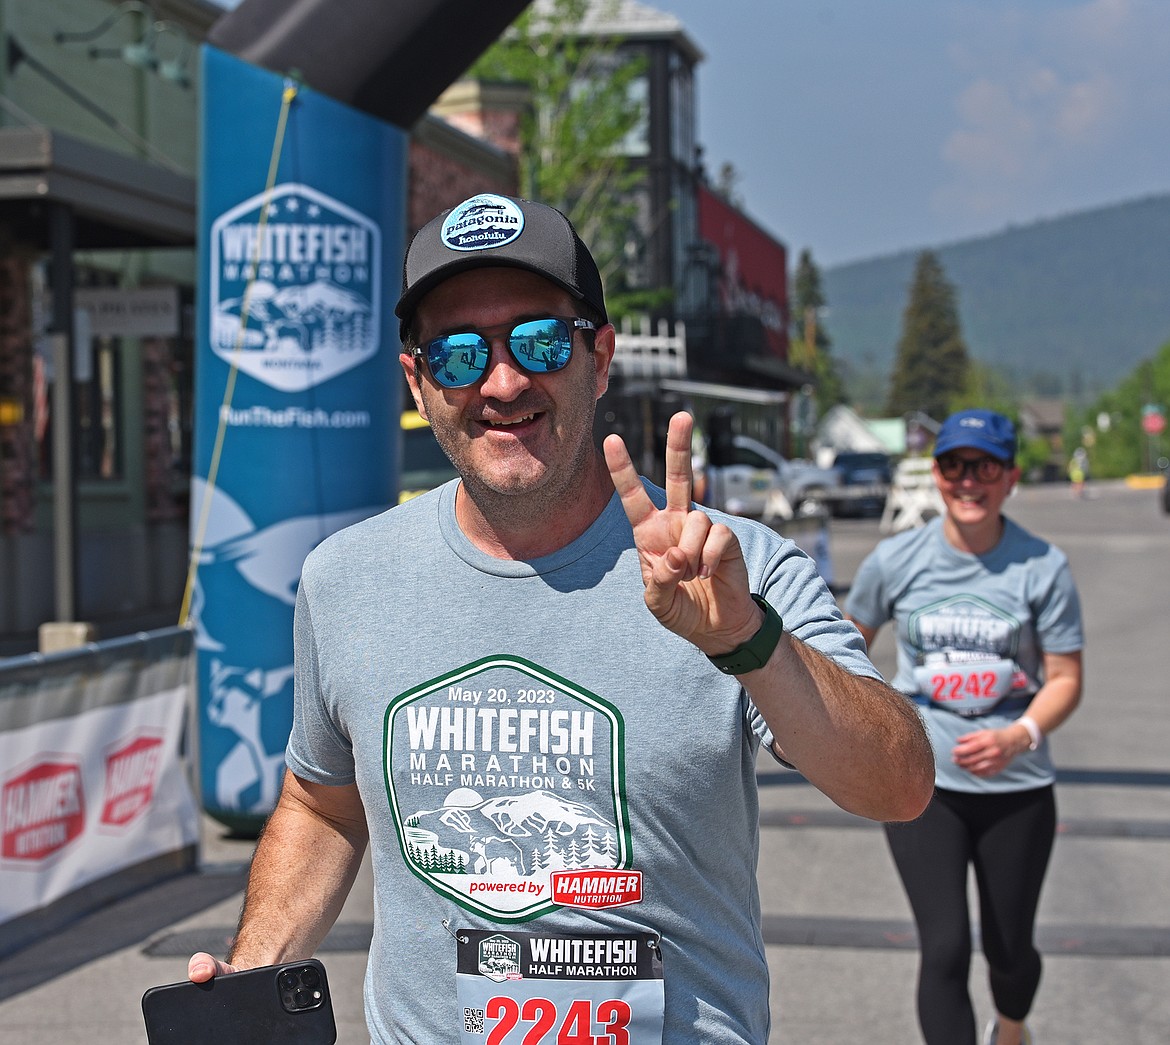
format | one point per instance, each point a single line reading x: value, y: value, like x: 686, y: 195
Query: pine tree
x: 931, y: 367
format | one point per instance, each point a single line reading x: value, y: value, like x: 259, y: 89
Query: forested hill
x: 1066, y: 306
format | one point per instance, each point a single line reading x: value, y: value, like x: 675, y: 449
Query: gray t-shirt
x: 511, y: 723
x: 972, y: 631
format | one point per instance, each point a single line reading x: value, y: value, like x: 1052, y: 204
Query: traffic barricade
x: 96, y: 797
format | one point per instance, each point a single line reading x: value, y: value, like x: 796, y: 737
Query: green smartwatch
x: 754, y: 653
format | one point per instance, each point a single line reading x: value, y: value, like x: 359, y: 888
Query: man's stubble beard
x: 510, y: 503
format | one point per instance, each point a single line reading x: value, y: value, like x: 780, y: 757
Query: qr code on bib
x: 473, y: 1021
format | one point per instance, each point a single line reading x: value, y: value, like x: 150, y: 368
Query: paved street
x: 841, y: 943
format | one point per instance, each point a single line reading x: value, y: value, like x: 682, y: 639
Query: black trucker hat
x: 498, y: 230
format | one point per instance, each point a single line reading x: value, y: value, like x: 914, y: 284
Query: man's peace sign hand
x: 693, y: 569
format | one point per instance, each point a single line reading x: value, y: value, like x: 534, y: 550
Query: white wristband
x: 1034, y: 733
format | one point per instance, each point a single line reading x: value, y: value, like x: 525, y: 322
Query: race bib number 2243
x: 548, y: 989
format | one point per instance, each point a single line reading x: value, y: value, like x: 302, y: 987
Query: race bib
x: 966, y: 688
x: 551, y: 989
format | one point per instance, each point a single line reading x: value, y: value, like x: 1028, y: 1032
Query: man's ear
x: 604, y: 346
x: 410, y: 366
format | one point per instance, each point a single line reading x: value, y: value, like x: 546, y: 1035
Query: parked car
x: 759, y: 482
x: 865, y: 482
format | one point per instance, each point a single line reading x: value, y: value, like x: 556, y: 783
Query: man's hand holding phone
x: 218, y: 1005
x: 203, y: 966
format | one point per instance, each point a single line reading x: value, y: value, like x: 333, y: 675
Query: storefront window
x: 97, y: 404
x: 157, y: 368
x: 99, y: 412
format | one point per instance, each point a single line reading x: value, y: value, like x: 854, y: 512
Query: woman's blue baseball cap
x: 982, y: 430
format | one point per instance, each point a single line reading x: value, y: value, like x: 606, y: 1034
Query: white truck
x: 761, y: 483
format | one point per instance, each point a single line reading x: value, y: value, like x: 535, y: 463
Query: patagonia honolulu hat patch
x: 492, y: 230
x: 481, y: 223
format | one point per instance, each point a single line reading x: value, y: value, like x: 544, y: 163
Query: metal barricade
x: 96, y: 798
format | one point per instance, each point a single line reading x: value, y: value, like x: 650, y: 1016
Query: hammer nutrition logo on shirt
x: 481, y: 222
x: 596, y: 888
x: 500, y: 775
x: 43, y: 810
x: 292, y: 297
x: 131, y: 774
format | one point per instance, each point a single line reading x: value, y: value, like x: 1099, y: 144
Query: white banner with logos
x: 93, y: 776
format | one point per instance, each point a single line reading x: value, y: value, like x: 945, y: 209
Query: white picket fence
x: 642, y: 353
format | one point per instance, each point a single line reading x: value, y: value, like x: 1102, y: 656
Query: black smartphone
x: 287, y: 1003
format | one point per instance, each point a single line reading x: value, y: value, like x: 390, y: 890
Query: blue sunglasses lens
x: 457, y: 359
x: 540, y: 346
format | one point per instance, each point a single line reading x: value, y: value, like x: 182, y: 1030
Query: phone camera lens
x: 288, y: 981
x: 310, y: 977
x: 302, y: 998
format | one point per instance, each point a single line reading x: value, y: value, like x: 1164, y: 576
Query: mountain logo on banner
x: 292, y: 296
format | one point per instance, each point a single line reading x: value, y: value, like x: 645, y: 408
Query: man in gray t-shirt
x: 537, y: 693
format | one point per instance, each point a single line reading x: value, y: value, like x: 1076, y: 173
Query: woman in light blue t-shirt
x: 989, y: 645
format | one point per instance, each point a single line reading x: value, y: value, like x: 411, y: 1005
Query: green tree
x: 811, y: 347
x: 1111, y: 428
x: 585, y: 103
x: 987, y: 388
x: 931, y: 367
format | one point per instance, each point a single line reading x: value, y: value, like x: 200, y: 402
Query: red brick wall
x: 438, y: 182
x: 500, y: 127
x: 17, y: 475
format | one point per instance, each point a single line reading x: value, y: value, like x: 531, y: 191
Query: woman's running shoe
x: 991, y: 1034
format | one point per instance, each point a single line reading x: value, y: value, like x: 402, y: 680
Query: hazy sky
x: 861, y: 127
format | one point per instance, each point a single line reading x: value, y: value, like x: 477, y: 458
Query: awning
x: 779, y: 371
x: 117, y: 201
x: 762, y: 396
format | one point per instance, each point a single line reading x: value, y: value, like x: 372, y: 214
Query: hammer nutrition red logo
x: 43, y: 810
x: 597, y: 887
x: 131, y: 773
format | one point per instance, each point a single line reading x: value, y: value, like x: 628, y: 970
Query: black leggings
x: 1008, y: 838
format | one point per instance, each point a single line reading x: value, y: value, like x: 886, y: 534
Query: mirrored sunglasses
x: 984, y: 469
x: 540, y: 346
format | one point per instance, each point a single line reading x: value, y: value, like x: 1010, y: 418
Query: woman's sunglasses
x: 540, y: 346
x: 984, y: 469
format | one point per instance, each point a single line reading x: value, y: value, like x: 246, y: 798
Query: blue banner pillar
x: 302, y: 214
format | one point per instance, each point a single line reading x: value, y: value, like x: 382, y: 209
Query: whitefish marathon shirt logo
x: 506, y: 784
x: 293, y: 296
x: 965, y: 624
